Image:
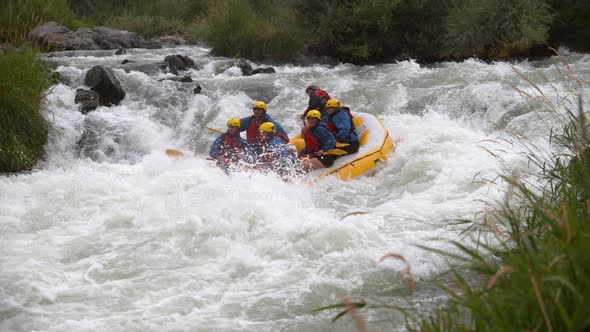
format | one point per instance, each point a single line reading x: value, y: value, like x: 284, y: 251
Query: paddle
x: 216, y: 130
x: 337, y: 152
x: 174, y: 153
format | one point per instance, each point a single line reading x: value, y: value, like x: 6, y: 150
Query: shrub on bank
x: 23, y: 130
x: 146, y: 26
x: 235, y: 28
x: 493, y: 29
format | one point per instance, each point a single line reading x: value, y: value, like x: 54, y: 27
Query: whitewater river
x: 110, y: 234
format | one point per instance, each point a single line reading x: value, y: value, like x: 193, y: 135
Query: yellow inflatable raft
x: 375, y: 147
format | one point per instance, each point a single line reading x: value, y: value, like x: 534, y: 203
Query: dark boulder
x: 177, y: 62
x: 245, y: 67
x: 263, y: 70
x: 103, y: 80
x: 183, y: 79
x: 88, y: 100
x: 197, y: 89
x: 121, y: 51
x: 127, y: 61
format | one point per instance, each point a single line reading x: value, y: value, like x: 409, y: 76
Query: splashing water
x: 111, y: 234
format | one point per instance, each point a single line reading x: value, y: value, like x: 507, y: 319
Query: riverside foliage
x: 355, y: 30
x: 23, y: 81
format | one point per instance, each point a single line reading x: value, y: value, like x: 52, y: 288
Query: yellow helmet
x: 259, y: 104
x: 267, y: 127
x: 333, y: 103
x: 314, y: 114
x: 233, y: 122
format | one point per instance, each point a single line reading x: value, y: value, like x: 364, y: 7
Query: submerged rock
x: 178, y: 62
x: 88, y: 100
x: 245, y: 67
x: 103, y: 80
x: 263, y: 70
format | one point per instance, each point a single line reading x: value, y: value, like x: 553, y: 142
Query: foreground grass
x: 535, y: 268
x: 23, y: 130
x: 530, y: 253
x: 23, y: 82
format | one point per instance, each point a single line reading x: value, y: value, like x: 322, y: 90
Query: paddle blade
x: 174, y: 153
x: 337, y: 152
x: 215, y: 130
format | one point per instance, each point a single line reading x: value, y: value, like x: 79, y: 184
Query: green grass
x: 23, y: 130
x: 527, y: 267
x: 19, y: 17
x: 534, y: 270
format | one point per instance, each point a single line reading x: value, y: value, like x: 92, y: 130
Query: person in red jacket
x: 250, y: 125
x: 317, y: 99
x: 318, y: 143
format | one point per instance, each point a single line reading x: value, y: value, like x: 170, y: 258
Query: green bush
x: 146, y: 26
x: 495, y: 28
x: 236, y: 29
x: 23, y: 130
x: 570, y: 27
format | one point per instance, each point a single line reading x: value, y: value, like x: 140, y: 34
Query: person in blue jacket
x: 318, y: 143
x: 338, y: 121
x: 251, y: 124
x: 229, y: 148
x: 277, y: 154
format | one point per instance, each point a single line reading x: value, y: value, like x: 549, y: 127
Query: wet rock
x: 149, y: 69
x: 55, y: 36
x: 56, y: 77
x: 172, y: 40
x: 127, y: 61
x: 88, y: 100
x: 121, y: 51
x: 103, y: 80
x: 245, y: 67
x: 183, y: 79
x: 61, y: 38
x: 197, y: 89
x: 177, y: 62
x: 263, y: 70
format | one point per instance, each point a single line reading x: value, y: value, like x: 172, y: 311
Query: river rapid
x: 110, y: 234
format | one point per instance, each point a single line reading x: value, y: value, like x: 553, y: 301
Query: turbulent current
x: 110, y: 234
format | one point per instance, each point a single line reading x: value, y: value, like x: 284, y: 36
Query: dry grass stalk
x: 407, y: 274
x: 540, y: 299
x: 502, y: 271
x: 353, y: 214
x: 351, y: 309
x: 523, y: 76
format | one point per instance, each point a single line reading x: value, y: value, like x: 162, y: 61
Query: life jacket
x: 230, y: 148
x: 311, y: 142
x: 330, y: 124
x: 252, y: 133
x: 323, y: 95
